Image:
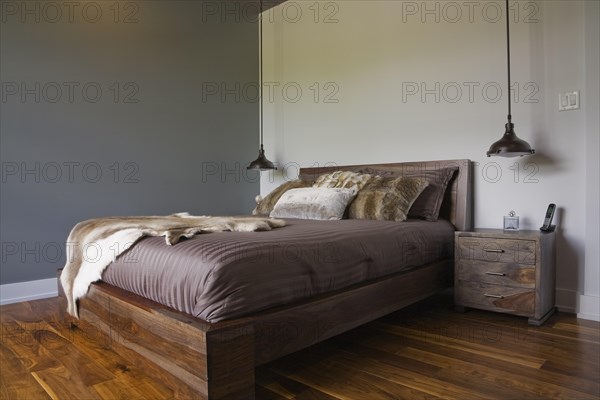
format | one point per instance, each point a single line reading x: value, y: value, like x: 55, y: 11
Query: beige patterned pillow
x: 265, y: 205
x: 387, y: 198
x: 313, y: 203
x: 343, y: 180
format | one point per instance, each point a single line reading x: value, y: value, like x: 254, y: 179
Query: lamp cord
x: 260, y: 27
x: 508, y: 58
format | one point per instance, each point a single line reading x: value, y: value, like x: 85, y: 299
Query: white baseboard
x: 25, y: 291
x: 571, y: 301
x: 589, y: 307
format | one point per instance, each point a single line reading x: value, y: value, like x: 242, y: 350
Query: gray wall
x: 153, y: 142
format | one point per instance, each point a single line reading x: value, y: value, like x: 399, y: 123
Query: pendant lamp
x: 509, y: 145
x: 261, y: 163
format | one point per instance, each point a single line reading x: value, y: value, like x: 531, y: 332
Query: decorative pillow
x: 265, y: 205
x: 343, y: 180
x: 427, y: 205
x: 387, y: 198
x: 313, y: 203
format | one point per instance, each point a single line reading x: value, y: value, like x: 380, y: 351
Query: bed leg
x: 230, y: 361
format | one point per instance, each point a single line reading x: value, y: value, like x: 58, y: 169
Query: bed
x: 213, y: 356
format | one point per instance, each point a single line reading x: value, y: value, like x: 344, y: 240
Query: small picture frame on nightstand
x: 511, y: 222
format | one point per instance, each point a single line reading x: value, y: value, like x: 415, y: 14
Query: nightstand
x: 504, y: 271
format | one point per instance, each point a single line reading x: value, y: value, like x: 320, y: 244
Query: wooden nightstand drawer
x: 510, y: 272
x: 497, y: 298
x: 516, y: 275
x: 496, y: 250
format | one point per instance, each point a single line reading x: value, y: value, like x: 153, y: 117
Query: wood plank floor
x: 426, y: 351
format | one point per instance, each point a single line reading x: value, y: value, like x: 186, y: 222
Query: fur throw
x: 92, y: 245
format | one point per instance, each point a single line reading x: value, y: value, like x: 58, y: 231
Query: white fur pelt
x: 92, y: 245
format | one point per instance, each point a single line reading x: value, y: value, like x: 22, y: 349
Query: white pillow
x: 313, y: 203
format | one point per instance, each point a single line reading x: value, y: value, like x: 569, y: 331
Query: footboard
x: 201, y: 360
x: 196, y: 359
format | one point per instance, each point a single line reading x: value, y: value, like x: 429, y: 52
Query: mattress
x: 225, y: 275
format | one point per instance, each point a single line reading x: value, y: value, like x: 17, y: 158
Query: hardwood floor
x: 426, y: 351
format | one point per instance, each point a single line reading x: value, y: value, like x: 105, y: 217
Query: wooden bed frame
x: 202, y: 360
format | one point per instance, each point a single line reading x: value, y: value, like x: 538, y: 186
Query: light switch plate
x: 568, y: 101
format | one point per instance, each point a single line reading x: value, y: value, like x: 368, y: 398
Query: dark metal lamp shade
x: 510, y: 145
x: 261, y: 163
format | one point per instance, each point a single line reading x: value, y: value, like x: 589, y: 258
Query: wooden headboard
x: 458, y: 200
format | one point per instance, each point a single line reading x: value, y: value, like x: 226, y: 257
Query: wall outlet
x: 568, y: 101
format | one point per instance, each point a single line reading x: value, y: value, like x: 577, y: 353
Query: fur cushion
x: 313, y: 203
x: 387, y: 198
x: 343, y: 180
x: 265, y: 205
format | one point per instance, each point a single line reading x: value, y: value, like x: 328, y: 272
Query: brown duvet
x: 226, y: 275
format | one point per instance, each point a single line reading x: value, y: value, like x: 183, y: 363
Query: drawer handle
x: 496, y: 273
x: 493, y: 295
x: 494, y: 250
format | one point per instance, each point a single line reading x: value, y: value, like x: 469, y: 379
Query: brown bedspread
x: 228, y: 275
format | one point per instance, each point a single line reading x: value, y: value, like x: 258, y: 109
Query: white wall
x: 373, y: 52
x: 591, y: 299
